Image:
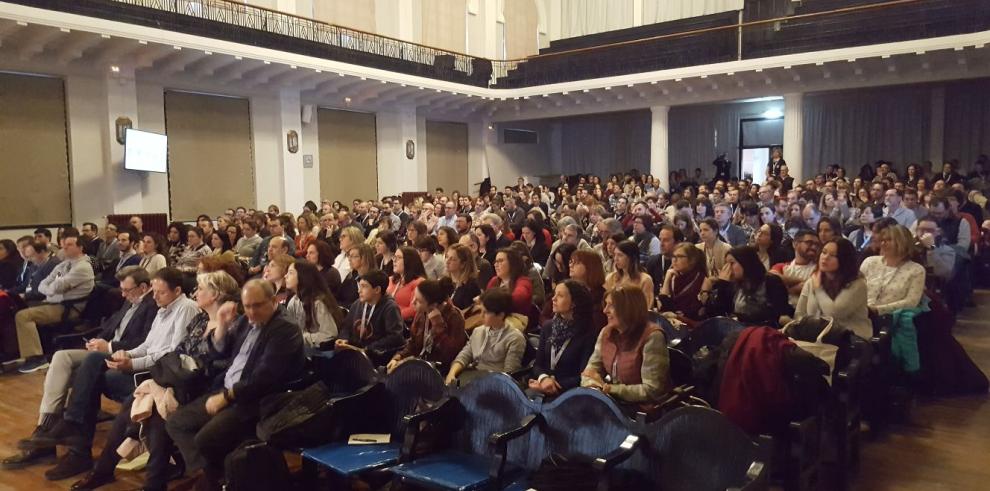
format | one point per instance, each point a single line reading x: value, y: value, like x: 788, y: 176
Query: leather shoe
x: 28, y: 458
x: 64, y: 433
x: 71, y: 464
x: 92, y: 480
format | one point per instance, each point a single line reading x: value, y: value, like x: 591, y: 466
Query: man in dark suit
x: 733, y: 234
x: 265, y: 350
x: 657, y: 266
x: 124, y: 330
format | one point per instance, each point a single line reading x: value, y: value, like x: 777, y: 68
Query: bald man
x: 265, y: 351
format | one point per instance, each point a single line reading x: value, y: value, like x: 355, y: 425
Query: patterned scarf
x: 561, y: 330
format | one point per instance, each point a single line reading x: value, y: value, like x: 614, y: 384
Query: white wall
x: 506, y: 162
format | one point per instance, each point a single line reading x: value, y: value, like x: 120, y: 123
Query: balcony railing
x: 813, y: 26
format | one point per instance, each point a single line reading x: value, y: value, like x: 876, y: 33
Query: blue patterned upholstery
x: 451, y: 470
x: 348, y: 460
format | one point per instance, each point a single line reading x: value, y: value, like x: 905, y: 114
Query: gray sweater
x: 503, y: 354
x: 72, y: 279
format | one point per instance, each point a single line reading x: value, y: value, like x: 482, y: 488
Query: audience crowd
x: 584, y: 267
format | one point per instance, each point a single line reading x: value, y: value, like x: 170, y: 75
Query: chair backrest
x: 709, y: 332
x: 698, y: 449
x: 584, y: 424
x: 492, y: 404
x: 345, y: 371
x: 672, y: 334
x: 413, y: 384
x: 681, y: 368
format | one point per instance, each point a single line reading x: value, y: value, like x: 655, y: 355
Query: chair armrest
x: 523, y: 371
x: 412, y: 423
x: 617, y: 456
x: 500, y: 442
x: 504, y: 437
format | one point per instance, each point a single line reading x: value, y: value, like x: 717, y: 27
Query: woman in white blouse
x: 893, y: 281
x: 837, y: 290
x: 313, y: 307
x: 153, y: 252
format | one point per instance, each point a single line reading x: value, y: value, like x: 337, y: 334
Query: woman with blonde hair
x: 306, y: 223
x: 350, y: 237
x: 629, y: 272
x: 893, y: 281
x: 462, y: 268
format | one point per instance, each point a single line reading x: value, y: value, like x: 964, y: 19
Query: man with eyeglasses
x: 795, y: 273
x: 939, y: 257
x: 124, y: 330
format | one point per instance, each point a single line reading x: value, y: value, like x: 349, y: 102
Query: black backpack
x: 255, y: 466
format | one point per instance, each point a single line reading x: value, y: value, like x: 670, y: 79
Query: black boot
x: 68, y: 433
x: 48, y: 421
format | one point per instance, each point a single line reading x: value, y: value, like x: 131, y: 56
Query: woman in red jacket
x: 510, y: 272
x: 407, y: 273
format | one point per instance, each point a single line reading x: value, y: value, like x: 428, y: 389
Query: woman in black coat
x: 744, y: 290
x: 10, y: 264
x: 566, y: 341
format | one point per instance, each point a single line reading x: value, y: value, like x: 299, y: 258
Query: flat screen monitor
x: 145, y: 151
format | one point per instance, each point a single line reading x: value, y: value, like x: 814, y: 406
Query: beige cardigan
x: 715, y: 257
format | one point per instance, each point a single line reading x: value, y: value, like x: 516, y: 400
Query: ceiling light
x: 114, y: 68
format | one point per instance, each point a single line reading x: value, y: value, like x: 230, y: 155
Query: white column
x: 293, y: 187
x: 86, y: 116
x: 490, y: 15
x: 151, y: 113
x: 479, y: 137
x: 637, y: 13
x: 793, y: 135
x: 936, y: 142
x: 397, y: 172
x: 124, y: 186
x: 659, y: 144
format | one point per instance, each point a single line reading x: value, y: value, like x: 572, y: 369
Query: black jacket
x: 722, y: 302
x: 277, y: 358
x: 136, y: 329
x: 571, y: 363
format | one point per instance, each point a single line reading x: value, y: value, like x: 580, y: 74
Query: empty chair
x: 709, y: 332
x: 487, y: 424
x: 697, y: 449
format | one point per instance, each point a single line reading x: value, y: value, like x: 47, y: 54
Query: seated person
x: 312, y: 306
x: 361, y: 261
x: 837, y: 290
x: 433, y: 263
x: 683, y: 281
x: 213, y: 290
x: 195, y: 249
x: 265, y: 350
x: 67, y: 287
x: 566, y: 340
x: 407, y: 273
x: 510, y: 273
x: 493, y: 346
x: 462, y: 269
x: 126, y: 329
x: 630, y: 360
x: 629, y: 271
x: 112, y: 374
x: 321, y: 254
x: 127, y: 243
x: 275, y: 272
x: 11, y: 264
x: 374, y: 323
x: 43, y: 262
x: 893, y: 281
x: 796, y: 273
x: 437, y: 334
x: 744, y: 290
x: 938, y: 256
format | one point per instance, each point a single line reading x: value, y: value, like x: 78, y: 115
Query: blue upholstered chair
x: 489, y: 444
x: 709, y: 332
x: 379, y: 410
x: 698, y: 449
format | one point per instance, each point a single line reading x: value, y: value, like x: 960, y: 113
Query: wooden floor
x: 945, y: 447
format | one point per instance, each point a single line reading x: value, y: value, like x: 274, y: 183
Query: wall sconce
x: 292, y: 141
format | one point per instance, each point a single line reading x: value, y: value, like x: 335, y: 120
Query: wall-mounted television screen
x: 145, y: 151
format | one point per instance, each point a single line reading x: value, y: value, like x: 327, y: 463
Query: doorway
x: 757, y: 136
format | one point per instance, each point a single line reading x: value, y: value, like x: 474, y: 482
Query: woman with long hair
x: 437, y: 332
x: 275, y: 272
x: 566, y: 341
x: 743, y: 289
x: 408, y: 273
x: 511, y: 274
x: 361, y: 259
x: 837, y: 290
x: 631, y: 352
x: 683, y: 282
x: 685, y: 223
x: 153, y: 252
x: 446, y: 236
x: 385, y: 246
x: 11, y: 264
x: 308, y: 229
x: 629, y: 272
x: 462, y: 269
x: 350, y: 237
x: 313, y: 307
x: 486, y: 239
x: 586, y: 268
x: 532, y: 235
x: 768, y: 241
x: 321, y: 255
